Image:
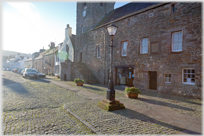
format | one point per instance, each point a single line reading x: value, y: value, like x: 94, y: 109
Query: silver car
x: 39, y: 74
x: 31, y: 73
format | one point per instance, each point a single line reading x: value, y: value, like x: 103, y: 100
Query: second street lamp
x: 110, y: 103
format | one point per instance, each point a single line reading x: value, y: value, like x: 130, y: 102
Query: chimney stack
x: 52, y: 45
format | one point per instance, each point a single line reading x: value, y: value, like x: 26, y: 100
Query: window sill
x: 176, y: 51
x: 188, y: 83
x: 167, y: 82
x: 143, y: 53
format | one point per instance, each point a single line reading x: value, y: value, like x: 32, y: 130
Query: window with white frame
x: 124, y: 49
x: 144, y: 46
x: 167, y: 78
x: 177, y: 41
x: 98, y: 51
x: 189, y: 76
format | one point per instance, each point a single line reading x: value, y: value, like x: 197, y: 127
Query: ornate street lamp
x: 111, y: 92
x: 110, y: 103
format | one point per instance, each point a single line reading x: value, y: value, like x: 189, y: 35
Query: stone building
x: 49, y: 59
x: 45, y: 61
x: 29, y: 63
x: 157, y: 45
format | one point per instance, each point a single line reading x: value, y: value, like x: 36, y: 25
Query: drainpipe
x: 104, y: 63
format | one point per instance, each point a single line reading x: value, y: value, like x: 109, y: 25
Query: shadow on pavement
x: 158, y: 94
x: 7, y: 81
x: 39, y: 80
x: 164, y: 104
x: 131, y: 114
x: 93, y: 88
x: 170, y: 97
x: 9, y: 84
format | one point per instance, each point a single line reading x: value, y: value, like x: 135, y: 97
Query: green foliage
x: 132, y: 90
x: 78, y: 80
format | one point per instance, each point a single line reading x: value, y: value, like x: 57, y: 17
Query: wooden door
x: 153, y: 80
x: 130, y: 77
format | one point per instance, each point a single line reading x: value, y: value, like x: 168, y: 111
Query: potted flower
x: 79, y: 82
x: 132, y: 92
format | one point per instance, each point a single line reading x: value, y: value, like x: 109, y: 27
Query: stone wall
x: 157, y: 25
x: 38, y: 64
x: 94, y: 13
x: 66, y: 71
x: 28, y: 63
x: 49, y: 61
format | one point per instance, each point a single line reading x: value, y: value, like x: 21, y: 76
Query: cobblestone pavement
x: 118, y: 122
x: 36, y: 107
x: 129, y: 121
x: 186, y: 106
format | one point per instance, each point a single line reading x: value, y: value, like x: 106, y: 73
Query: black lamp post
x: 110, y: 103
x: 111, y: 92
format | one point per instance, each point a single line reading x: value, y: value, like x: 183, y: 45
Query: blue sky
x: 30, y: 26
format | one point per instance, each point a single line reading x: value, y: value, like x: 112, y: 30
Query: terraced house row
x: 157, y: 46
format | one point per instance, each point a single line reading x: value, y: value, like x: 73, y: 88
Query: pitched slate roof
x: 124, y: 11
x: 51, y: 51
x: 29, y: 59
x: 42, y: 54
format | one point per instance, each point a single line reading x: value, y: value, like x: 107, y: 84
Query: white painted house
x: 65, y: 50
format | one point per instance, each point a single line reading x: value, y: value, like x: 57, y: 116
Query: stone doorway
x: 125, y: 76
x: 153, y: 80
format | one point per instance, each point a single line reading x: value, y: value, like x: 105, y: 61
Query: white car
x: 39, y: 74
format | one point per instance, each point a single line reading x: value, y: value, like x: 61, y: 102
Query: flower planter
x: 79, y: 84
x: 132, y: 95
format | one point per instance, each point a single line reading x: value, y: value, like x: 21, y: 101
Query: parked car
x: 15, y: 70
x: 31, y: 73
x: 8, y: 69
x: 22, y: 71
x: 40, y: 74
x: 19, y: 71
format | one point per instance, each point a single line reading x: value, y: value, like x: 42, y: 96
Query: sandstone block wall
x: 157, y: 25
x: 49, y: 61
x: 66, y: 71
x: 28, y: 63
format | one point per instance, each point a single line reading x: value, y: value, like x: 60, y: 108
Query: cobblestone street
x: 35, y: 107
x: 50, y: 106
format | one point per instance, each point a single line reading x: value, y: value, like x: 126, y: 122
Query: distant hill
x: 13, y: 53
